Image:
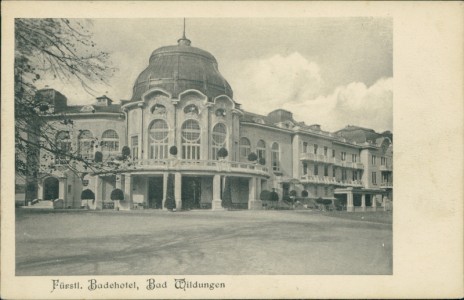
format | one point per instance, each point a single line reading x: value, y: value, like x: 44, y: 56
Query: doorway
x: 155, y: 192
x: 51, y: 188
x: 191, y: 192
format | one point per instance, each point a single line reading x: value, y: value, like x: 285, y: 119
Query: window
x: 245, y: 147
x: 383, y: 161
x: 315, y: 149
x: 333, y: 152
x: 305, y: 168
x: 191, y: 109
x: 219, y: 138
x: 305, y: 147
x: 159, y: 139
x: 374, y: 178
x: 326, y: 170
x: 374, y: 158
x: 326, y: 191
x: 354, y: 157
x: 261, y: 149
x: 325, y: 151
x: 85, y: 144
x: 343, y: 174
x: 385, y: 178
x: 333, y: 172
x: 110, y: 141
x: 63, y: 145
x: 316, y: 170
x: 343, y: 156
x: 355, y: 175
x: 191, y: 140
x: 275, y: 157
x: 220, y: 112
x: 135, y: 147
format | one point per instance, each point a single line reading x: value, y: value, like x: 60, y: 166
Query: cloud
x: 295, y: 84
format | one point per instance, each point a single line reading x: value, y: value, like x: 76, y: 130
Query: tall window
x: 63, y: 145
x: 374, y: 178
x: 374, y: 160
x: 325, y: 151
x: 135, y: 147
x: 333, y: 152
x: 191, y: 133
x: 326, y: 170
x: 383, y: 161
x: 85, y: 144
x: 305, y: 168
x: 261, y: 149
x: 333, y: 172
x: 315, y: 149
x: 275, y: 157
x: 316, y: 170
x: 159, y: 138
x: 343, y: 174
x: 355, y: 175
x: 219, y: 138
x: 354, y: 157
x: 343, y: 156
x: 245, y: 147
x: 110, y: 141
x: 305, y: 147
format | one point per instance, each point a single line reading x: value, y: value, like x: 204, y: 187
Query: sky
x: 328, y: 71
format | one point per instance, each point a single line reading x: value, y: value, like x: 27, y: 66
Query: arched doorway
x: 51, y: 188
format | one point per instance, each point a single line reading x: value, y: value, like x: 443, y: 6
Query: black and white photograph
x: 197, y: 147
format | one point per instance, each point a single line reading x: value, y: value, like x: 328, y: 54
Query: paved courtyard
x: 201, y: 242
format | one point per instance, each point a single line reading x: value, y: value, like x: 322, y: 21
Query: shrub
x: 262, y: 161
x: 87, y: 195
x: 173, y: 151
x: 222, y: 153
x: 265, y: 195
x: 98, y: 157
x: 319, y: 200
x: 125, y: 152
x: 304, y: 193
x: 170, y: 196
x: 117, y: 195
x: 227, y: 195
x: 252, y: 156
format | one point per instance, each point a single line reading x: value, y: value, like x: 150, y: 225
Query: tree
x: 125, y: 152
x: 170, y: 203
x: 45, y: 50
x: 87, y: 195
x: 117, y: 195
x: 227, y: 195
x: 304, y: 193
x: 222, y: 153
x: 173, y: 150
x: 252, y: 156
x: 262, y: 161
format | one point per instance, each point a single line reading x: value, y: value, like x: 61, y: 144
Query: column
x: 363, y: 202
x: 62, y: 191
x: 127, y: 204
x: 178, y: 190
x: 253, y: 201
x: 165, y: 189
x: 349, y: 201
x: 374, y: 202
x: 98, y: 193
x: 39, y: 191
x: 119, y: 182
x: 217, y: 201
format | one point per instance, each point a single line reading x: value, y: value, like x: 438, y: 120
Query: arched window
x: 191, y: 109
x: 219, y: 138
x: 159, y: 139
x: 110, y: 141
x: 63, y: 147
x: 275, y: 157
x: 261, y: 149
x: 191, y: 140
x: 85, y: 144
x: 245, y: 147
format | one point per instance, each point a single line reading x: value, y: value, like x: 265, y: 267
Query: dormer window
x: 220, y: 112
x: 191, y: 109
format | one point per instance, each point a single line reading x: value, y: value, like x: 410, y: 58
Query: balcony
x: 197, y: 165
x: 388, y: 185
x: 386, y: 168
x: 330, y: 180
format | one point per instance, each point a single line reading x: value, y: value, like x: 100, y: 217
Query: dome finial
x: 183, y: 41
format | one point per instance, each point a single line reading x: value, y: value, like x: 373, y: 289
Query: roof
x: 113, y: 108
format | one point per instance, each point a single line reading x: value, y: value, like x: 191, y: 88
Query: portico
x: 360, y: 199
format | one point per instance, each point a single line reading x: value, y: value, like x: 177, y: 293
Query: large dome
x: 179, y: 68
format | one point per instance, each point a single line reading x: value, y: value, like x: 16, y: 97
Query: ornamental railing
x: 319, y: 158
x: 330, y: 181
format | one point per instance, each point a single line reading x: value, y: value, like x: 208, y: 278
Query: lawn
x: 200, y: 242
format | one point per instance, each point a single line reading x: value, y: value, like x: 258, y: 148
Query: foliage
x: 117, y: 195
x: 222, y: 153
x: 170, y: 196
x: 173, y: 150
x: 98, y: 157
x: 262, y: 161
x: 48, y: 50
x: 87, y: 195
x: 265, y: 195
x: 304, y: 193
x: 227, y: 194
x: 125, y: 152
x: 252, y: 156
